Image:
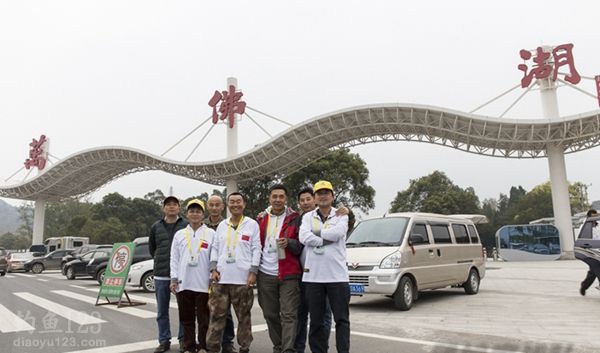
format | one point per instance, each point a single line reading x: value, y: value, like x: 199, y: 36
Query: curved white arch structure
x: 294, y: 148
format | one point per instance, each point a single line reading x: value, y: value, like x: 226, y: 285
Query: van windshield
x: 378, y: 232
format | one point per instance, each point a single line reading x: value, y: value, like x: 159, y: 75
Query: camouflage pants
x: 241, y: 298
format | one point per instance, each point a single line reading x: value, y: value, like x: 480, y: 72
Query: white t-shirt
x: 324, y: 264
x: 191, y: 247
x: 269, y: 263
x: 236, y: 251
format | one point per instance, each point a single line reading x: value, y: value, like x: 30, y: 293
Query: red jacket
x: 289, y: 267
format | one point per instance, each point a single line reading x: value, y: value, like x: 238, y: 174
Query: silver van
x: 400, y: 254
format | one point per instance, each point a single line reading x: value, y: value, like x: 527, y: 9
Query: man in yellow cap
x: 323, y: 234
x: 190, y: 276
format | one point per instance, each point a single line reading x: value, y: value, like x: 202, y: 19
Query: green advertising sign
x: 117, y: 271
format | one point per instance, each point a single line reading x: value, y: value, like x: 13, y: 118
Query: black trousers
x: 592, y: 274
x: 339, y: 300
x: 193, y: 307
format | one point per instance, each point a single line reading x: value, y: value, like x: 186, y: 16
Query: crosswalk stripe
x: 11, y: 322
x: 60, y: 310
x: 127, y: 310
x: 138, y: 346
x: 42, y: 280
x: 9, y: 276
x: 172, y: 303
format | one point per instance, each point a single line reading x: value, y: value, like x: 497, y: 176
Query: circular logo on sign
x: 120, y: 259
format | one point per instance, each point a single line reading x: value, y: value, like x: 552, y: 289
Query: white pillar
x: 561, y: 205
x: 232, y: 143
x: 232, y: 140
x: 38, y: 222
x: 39, y: 211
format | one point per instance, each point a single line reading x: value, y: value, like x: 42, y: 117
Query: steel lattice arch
x: 296, y: 147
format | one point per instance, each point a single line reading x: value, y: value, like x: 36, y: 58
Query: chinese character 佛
x: 230, y: 105
x: 562, y: 56
x: 36, y: 154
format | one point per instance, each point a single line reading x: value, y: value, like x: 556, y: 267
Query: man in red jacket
x: 279, y: 272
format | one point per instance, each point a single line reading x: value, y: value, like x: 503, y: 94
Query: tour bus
x: 67, y: 243
x: 400, y: 254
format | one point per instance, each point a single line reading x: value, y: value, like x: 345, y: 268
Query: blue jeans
x: 301, y: 331
x: 163, y: 297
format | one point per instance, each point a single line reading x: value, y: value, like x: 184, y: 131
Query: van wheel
x: 2, y: 273
x: 404, y: 296
x: 37, y: 268
x: 472, y: 284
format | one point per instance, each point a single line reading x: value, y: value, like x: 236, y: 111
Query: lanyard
x: 271, y: 231
x: 315, y: 226
x: 189, y: 243
x: 235, y: 233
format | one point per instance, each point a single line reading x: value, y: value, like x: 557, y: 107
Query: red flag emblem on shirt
x: 245, y: 237
x: 204, y: 245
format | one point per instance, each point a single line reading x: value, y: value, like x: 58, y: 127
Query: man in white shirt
x: 190, y: 276
x: 234, y: 262
x: 323, y: 234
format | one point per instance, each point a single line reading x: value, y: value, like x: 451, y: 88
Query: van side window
x: 473, y: 233
x: 460, y: 234
x: 418, y: 235
x: 441, y: 234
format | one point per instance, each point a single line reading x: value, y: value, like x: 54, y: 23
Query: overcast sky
x: 140, y: 73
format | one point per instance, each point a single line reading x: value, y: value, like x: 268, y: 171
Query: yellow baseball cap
x: 195, y: 202
x: 322, y: 184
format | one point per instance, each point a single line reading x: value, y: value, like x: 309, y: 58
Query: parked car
x: 17, y: 260
x: 78, y: 267
x: 97, y: 267
x: 48, y: 262
x: 3, y: 261
x: 141, y: 275
x: 78, y: 252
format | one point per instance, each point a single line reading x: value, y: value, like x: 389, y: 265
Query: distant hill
x: 9, y: 218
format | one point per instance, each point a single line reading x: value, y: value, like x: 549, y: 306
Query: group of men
x: 296, y: 260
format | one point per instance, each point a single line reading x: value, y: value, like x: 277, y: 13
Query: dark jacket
x: 160, y: 240
x: 289, y: 267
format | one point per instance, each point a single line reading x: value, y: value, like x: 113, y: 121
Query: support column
x: 232, y: 142
x: 38, y: 222
x: 558, y: 172
x: 560, y: 201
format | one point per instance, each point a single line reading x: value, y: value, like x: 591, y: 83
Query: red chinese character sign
x: 37, y: 154
x: 562, y: 55
x: 230, y: 105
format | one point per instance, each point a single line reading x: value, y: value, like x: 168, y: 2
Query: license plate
x: 357, y: 288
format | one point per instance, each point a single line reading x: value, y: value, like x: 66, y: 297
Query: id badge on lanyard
x: 231, y: 251
x: 319, y: 250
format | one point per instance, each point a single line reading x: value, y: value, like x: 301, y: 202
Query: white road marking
x: 42, y: 280
x: 91, y: 300
x: 138, y: 346
x: 9, y: 276
x: 60, y: 310
x: 458, y: 347
x: 172, y: 303
x: 11, y: 322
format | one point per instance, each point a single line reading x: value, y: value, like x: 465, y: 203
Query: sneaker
x: 163, y: 347
x: 581, y: 291
x: 228, y: 348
